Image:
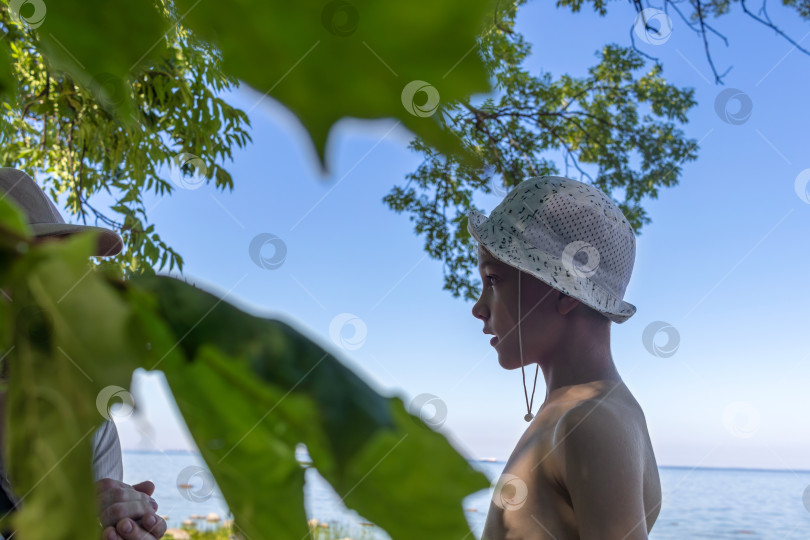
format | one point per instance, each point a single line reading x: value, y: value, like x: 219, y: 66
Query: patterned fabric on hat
x: 568, y: 234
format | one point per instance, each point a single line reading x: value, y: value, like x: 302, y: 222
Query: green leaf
x: 101, y: 48
x: 71, y: 341
x: 285, y: 386
x: 326, y: 60
x: 382, y: 476
x: 12, y: 219
x: 243, y: 427
x: 8, y: 86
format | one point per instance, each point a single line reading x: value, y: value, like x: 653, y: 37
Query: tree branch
x: 771, y: 25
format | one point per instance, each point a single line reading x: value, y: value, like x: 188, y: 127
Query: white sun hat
x: 43, y: 216
x: 568, y: 234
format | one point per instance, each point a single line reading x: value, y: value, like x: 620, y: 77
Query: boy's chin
x: 508, y: 362
x: 511, y: 361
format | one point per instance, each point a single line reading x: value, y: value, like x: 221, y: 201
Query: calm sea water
x: 697, y: 503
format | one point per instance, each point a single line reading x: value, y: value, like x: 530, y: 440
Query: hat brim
x: 109, y: 243
x: 477, y: 220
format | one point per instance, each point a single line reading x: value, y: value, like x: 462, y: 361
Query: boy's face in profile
x: 497, y: 307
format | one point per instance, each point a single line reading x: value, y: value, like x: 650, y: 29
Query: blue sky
x: 724, y: 261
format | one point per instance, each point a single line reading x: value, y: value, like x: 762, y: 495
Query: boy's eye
x: 491, y: 278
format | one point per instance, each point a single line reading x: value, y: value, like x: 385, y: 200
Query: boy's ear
x: 565, y: 303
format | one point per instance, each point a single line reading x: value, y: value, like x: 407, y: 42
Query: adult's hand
x: 128, y: 512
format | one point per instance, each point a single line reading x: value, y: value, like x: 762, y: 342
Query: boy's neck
x: 558, y: 383
x: 584, y: 357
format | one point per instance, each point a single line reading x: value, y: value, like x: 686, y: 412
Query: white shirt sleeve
x: 107, y: 461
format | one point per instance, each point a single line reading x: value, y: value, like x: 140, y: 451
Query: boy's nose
x: 477, y: 311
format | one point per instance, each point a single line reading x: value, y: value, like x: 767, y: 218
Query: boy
x: 555, y: 257
x: 127, y: 512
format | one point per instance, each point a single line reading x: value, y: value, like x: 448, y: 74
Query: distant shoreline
x: 489, y: 460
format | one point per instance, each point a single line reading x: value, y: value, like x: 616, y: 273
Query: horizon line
x: 493, y: 460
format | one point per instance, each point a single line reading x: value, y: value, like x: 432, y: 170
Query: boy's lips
x: 492, y: 341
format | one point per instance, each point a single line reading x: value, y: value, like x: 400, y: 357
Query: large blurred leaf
x: 414, y: 470
x: 71, y: 341
x: 12, y: 221
x: 98, y: 43
x: 324, y: 59
x: 329, y: 59
x: 7, y: 83
x: 14, y: 235
x: 243, y: 427
x: 249, y: 388
x: 284, y: 386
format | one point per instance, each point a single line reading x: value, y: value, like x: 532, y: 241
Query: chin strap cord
x: 529, y: 414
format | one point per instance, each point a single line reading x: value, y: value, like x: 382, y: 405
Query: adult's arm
x: 126, y: 512
x: 107, y: 458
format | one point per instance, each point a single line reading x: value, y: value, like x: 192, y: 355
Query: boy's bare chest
x: 533, y: 502
x: 530, y: 501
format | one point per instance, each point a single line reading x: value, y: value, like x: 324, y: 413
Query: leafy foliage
x: 697, y: 19
x: 103, y: 128
x: 802, y: 6
x: 109, y: 119
x: 326, y: 60
x: 250, y: 390
x: 104, y: 120
x: 281, y: 389
x: 591, y: 120
x: 57, y: 366
x: 96, y: 119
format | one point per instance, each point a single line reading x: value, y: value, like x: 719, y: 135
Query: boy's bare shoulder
x: 537, y: 462
x: 583, y: 427
x: 608, y: 408
x: 603, y: 453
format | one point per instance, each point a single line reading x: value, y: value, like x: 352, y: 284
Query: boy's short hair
x: 596, y: 314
